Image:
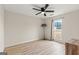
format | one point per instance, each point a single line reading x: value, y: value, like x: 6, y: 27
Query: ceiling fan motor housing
x: 42, y: 9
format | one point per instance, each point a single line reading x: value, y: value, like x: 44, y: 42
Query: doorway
x: 57, y: 30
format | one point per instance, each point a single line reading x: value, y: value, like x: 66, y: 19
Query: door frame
x: 51, y: 39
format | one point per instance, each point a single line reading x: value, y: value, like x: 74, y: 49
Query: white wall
x: 48, y: 28
x: 1, y: 28
x: 22, y: 28
x: 70, y: 25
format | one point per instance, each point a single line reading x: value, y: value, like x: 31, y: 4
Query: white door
x: 57, y: 29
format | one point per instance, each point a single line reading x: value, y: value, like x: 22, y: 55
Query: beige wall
x: 70, y: 28
x: 48, y: 28
x: 22, y: 28
x: 1, y: 28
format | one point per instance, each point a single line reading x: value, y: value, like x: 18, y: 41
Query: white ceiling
x: 27, y: 8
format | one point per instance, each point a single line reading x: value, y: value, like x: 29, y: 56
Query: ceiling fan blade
x: 44, y: 14
x: 46, y: 5
x: 36, y: 9
x: 38, y: 13
x: 49, y: 11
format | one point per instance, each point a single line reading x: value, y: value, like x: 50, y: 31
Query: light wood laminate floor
x: 40, y: 47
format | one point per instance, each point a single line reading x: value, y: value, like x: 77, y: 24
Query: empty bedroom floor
x: 39, y: 47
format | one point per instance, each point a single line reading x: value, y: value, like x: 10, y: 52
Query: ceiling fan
x: 43, y: 10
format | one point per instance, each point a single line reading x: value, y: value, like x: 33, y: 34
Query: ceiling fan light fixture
x: 42, y: 12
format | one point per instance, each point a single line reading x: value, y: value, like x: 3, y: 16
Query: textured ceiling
x: 27, y: 9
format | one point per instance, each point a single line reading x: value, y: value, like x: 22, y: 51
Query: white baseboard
x: 20, y: 43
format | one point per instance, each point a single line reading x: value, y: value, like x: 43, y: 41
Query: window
x: 57, y: 23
